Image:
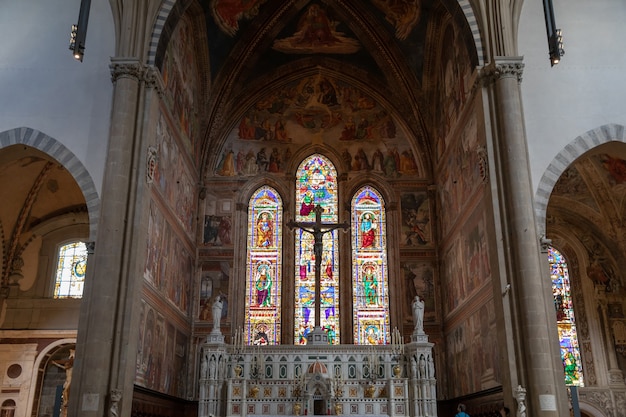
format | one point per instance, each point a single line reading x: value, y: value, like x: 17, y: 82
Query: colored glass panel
x: 369, y: 269
x: 566, y: 324
x: 263, y: 271
x: 316, y: 184
x: 71, y: 270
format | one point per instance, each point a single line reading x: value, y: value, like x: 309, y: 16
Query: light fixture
x: 555, y: 37
x: 79, y: 31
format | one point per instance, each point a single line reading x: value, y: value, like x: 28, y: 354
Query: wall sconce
x: 78, y: 34
x: 555, y: 37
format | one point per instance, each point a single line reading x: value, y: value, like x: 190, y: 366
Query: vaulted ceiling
x: 389, y: 50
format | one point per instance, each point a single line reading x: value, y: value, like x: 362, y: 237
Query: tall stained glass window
x: 369, y: 269
x: 263, y: 272
x: 71, y: 269
x: 316, y: 184
x: 570, y: 351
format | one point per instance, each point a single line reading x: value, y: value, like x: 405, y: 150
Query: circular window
x: 14, y: 371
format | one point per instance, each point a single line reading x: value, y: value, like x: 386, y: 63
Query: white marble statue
x: 418, y: 314
x: 218, y: 304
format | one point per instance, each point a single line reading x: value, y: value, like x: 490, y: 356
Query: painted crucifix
x: 318, y: 230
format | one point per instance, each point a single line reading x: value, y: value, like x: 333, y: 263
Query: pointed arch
x: 65, y: 157
x: 370, y: 289
x: 264, y: 267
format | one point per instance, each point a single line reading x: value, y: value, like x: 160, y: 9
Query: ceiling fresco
x: 587, y: 208
x: 322, y: 28
x: 364, y: 76
x: 318, y: 110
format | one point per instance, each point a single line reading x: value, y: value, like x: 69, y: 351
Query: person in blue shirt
x: 461, y: 411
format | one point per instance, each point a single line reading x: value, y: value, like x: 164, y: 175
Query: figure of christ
x: 67, y: 365
x: 318, y: 230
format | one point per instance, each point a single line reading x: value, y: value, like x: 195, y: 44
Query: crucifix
x: 318, y: 230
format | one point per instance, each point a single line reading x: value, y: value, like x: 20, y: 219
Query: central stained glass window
x: 316, y: 184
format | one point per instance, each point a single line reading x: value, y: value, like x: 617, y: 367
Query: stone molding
x: 502, y: 67
x: 135, y: 70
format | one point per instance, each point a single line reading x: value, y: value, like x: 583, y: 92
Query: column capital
x: 126, y: 68
x: 502, y: 67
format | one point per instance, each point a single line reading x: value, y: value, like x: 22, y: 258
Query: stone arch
x: 468, y: 11
x: 590, y: 409
x: 157, y: 29
x: 50, y: 146
x: 572, y: 151
x: 40, y: 363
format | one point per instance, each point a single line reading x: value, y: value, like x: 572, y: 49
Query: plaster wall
x: 586, y: 89
x: 63, y: 98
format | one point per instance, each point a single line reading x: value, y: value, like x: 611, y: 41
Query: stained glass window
x: 316, y: 184
x: 71, y: 269
x: 570, y: 351
x: 263, y: 271
x: 369, y: 269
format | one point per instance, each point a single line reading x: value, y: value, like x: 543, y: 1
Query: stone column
x: 539, y: 368
x: 108, y: 324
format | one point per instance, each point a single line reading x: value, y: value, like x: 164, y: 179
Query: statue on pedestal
x: 218, y: 304
x: 418, y: 314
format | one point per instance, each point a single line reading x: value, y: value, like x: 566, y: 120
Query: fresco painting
x: 154, y: 245
x: 169, y: 264
x: 182, y: 83
x: 419, y: 280
x: 173, y: 177
x: 416, y: 225
x: 466, y: 263
x: 228, y: 13
x: 217, y: 231
x: 214, y: 282
x: 463, y: 175
x: 161, y: 354
x: 456, y: 79
x: 402, y: 14
x: 473, y: 341
x: 318, y: 110
x: 317, y: 33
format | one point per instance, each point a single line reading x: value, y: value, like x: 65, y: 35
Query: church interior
x: 312, y: 207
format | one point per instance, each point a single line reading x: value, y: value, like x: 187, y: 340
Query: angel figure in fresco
x: 264, y: 230
x: 228, y: 13
x: 402, y: 14
x: 263, y: 286
x: 370, y: 286
x: 368, y: 231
